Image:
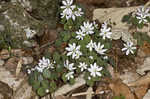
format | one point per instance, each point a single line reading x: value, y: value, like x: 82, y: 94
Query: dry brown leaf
x: 18, y: 69
x: 141, y: 81
x: 141, y: 91
x: 48, y: 36
x: 120, y: 88
x: 146, y: 48
x: 11, y: 64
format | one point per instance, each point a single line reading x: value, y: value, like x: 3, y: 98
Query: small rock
x: 129, y: 77
x: 141, y: 53
x: 4, y: 54
x: 145, y: 67
x: 116, y: 34
x: 17, y: 52
x: 1, y: 62
x: 29, y: 44
x: 1, y: 96
x: 2, y: 28
x: 11, y: 64
x: 27, y: 60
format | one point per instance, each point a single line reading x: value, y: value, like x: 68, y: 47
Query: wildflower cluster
x: 82, y: 48
x: 138, y: 18
x: 70, y: 11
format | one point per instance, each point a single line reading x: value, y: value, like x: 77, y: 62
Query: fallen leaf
x: 146, y: 48
x: 48, y: 36
x: 18, y: 69
x: 11, y: 64
x: 120, y: 88
x: 140, y: 91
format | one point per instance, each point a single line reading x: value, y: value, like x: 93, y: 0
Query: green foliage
x: 119, y: 97
x: 126, y: 18
x: 7, y: 40
x: 141, y: 37
x: 53, y: 86
x: 41, y: 91
x: 47, y: 74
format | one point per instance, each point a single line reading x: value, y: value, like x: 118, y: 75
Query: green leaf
x: 66, y: 37
x: 54, y: 75
x: 64, y: 78
x: 59, y: 68
x: 31, y: 79
x: 45, y: 84
x: 140, y: 26
x: 73, y: 34
x: 41, y: 91
x: 36, y: 85
x: 53, y: 86
x: 108, y: 45
x: 90, y: 82
x: 135, y: 21
x: 66, y: 27
x: 96, y: 78
x: 126, y: 18
x: 40, y: 78
x: 72, y: 81
x: 56, y: 57
x: 58, y: 43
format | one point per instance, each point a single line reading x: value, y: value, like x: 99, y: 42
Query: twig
x: 147, y: 4
x: 81, y: 94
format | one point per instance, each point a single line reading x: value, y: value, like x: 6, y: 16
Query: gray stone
x: 144, y: 67
x: 147, y: 95
x: 1, y: 62
x: 27, y: 60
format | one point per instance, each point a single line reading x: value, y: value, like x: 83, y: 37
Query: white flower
x: 129, y: 48
x: 73, y: 16
x: 69, y: 66
x: 89, y: 78
x: 69, y: 75
x: 142, y: 13
x: 80, y: 35
x: 28, y: 71
x: 95, y: 24
x: 73, y: 51
x: 99, y: 48
x: 44, y: 64
x: 78, y: 12
x: 78, y: 54
x: 91, y: 57
x: 90, y: 45
x: 87, y: 28
x: 105, y: 31
x: 29, y: 33
x: 64, y: 14
x: 67, y: 6
x: 95, y: 70
x: 105, y: 57
x: 82, y: 66
x: 39, y: 69
x: 47, y: 90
